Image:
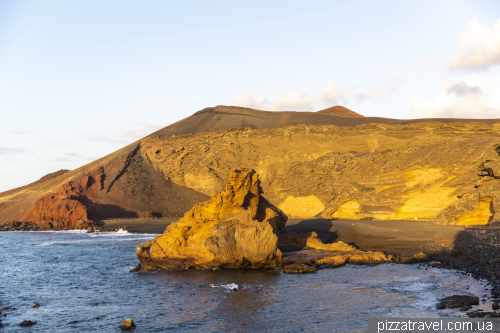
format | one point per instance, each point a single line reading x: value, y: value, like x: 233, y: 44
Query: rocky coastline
x: 31, y: 226
x: 480, y: 259
x: 239, y: 228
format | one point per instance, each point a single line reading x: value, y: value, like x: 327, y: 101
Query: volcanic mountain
x: 341, y: 112
x: 310, y: 164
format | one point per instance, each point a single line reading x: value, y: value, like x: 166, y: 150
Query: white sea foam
x: 230, y: 286
x: 44, y: 244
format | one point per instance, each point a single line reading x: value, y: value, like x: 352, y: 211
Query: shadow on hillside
x: 104, y: 211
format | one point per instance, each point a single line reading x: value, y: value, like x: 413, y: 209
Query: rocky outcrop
x: 57, y: 208
x: 315, y: 254
x: 235, y: 228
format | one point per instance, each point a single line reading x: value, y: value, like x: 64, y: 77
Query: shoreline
x: 472, y: 252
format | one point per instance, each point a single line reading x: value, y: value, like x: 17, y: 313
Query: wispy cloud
x: 9, y: 151
x: 17, y: 131
x: 480, y: 47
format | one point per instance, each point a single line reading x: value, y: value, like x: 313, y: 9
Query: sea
x: 83, y: 284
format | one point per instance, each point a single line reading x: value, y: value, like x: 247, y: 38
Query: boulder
x: 127, y: 324
x: 37, y: 305
x: 237, y: 227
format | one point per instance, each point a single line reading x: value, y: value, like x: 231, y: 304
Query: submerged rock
x: 237, y: 227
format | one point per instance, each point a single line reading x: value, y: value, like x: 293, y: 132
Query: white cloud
x: 480, y: 47
x: 332, y: 94
x: 295, y: 100
x: 465, y: 97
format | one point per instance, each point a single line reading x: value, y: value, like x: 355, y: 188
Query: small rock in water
x: 7, y: 309
x: 36, y: 305
x: 1, y: 325
x: 299, y: 269
x: 495, y: 306
x: 27, y: 323
x: 127, y: 324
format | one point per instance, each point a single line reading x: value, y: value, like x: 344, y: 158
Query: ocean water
x: 83, y: 284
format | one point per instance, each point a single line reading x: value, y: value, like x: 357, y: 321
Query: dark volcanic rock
x: 457, y: 301
x: 483, y: 314
x: 299, y: 269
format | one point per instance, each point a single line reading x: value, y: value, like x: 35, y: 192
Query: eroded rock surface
x: 237, y: 227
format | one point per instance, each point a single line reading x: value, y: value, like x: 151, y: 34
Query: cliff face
x: 413, y: 169
x: 379, y: 171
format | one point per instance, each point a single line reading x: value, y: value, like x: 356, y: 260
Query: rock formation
x: 317, y: 254
x: 310, y: 165
x: 237, y: 227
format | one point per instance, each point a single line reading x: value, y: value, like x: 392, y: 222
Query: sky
x: 82, y: 79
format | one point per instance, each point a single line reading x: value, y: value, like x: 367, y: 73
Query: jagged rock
x: 36, y: 305
x: 235, y: 228
x: 127, y: 324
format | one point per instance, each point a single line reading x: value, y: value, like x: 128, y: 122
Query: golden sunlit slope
x: 310, y: 165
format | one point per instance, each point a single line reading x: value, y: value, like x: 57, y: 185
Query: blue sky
x: 79, y: 80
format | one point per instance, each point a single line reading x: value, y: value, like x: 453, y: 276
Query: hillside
x: 310, y: 165
x: 341, y: 112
